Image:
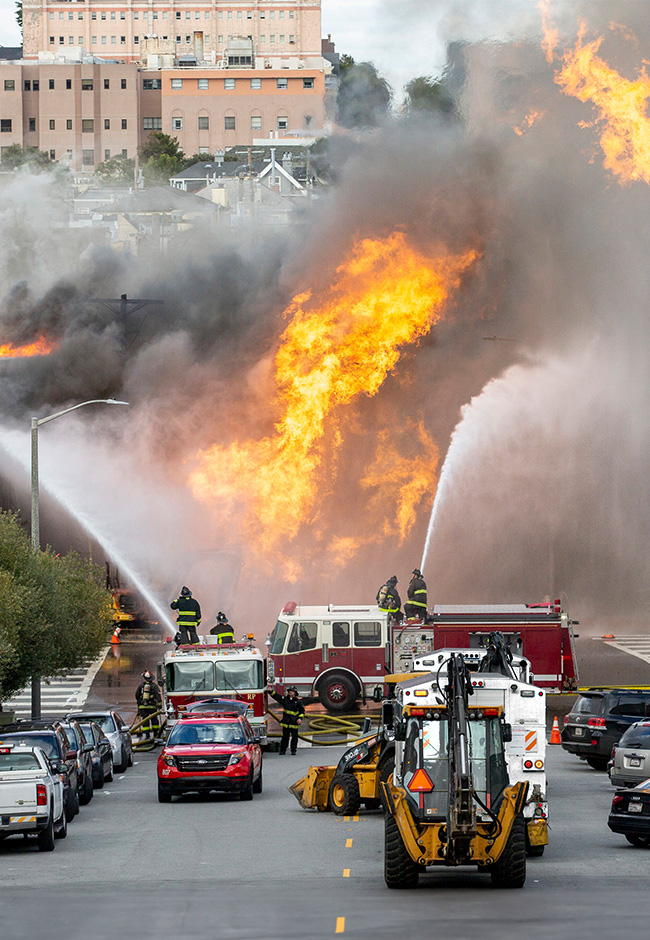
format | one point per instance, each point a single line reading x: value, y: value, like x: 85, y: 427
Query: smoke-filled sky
x: 535, y: 244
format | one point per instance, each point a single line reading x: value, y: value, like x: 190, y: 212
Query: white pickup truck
x: 31, y: 796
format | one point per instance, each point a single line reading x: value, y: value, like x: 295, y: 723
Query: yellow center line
x: 346, y: 872
x: 346, y: 818
x: 356, y: 818
x: 340, y: 925
x: 348, y: 843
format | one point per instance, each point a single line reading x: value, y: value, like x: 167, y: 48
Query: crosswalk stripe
x: 69, y: 690
x: 637, y: 645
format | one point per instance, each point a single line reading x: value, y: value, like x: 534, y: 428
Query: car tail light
x: 596, y: 722
x: 617, y: 801
x: 420, y: 782
x: 41, y: 794
x: 566, y: 719
x: 613, y: 754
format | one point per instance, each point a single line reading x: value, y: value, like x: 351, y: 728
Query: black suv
x: 51, y: 737
x: 598, y: 719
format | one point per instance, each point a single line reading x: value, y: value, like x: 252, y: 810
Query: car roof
x: 211, y: 718
x: 26, y: 729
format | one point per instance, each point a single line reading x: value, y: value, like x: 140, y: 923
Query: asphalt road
x: 216, y: 868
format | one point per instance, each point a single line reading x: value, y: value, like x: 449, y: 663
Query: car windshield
x: 222, y: 733
x: 18, y: 762
x: 45, y: 741
x: 105, y: 722
x: 636, y: 737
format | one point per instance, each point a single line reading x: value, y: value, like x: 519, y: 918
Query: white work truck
x: 524, y: 708
x: 31, y: 796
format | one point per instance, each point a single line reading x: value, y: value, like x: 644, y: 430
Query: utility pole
x: 122, y: 306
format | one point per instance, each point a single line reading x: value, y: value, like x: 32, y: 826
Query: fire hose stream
x: 349, y: 728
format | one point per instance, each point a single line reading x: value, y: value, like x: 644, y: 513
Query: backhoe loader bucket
x: 312, y: 790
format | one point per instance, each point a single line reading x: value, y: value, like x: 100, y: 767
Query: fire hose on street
x: 325, y: 726
x: 143, y: 726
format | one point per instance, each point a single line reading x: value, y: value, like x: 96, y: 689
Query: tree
x: 428, y: 94
x: 364, y: 96
x: 54, y: 610
x: 14, y: 156
x: 117, y: 170
x: 161, y: 157
x: 19, y: 13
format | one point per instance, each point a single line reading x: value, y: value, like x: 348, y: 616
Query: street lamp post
x: 36, y: 423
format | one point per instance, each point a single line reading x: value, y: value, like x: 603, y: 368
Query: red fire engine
x: 341, y: 653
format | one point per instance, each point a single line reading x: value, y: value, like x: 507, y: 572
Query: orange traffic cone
x: 555, y: 732
x: 116, y: 635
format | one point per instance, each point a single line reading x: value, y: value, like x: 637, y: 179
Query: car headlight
x: 168, y: 759
x: 236, y: 758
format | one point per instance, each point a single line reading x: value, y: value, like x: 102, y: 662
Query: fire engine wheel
x: 400, y: 871
x: 509, y: 871
x: 337, y: 693
x: 344, y: 796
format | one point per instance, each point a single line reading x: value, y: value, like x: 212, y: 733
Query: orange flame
x: 528, y: 122
x: 334, y: 349
x: 551, y: 35
x: 621, y: 105
x: 40, y: 348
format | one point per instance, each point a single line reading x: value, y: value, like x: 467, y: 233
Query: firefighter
x: 222, y: 629
x: 149, y: 701
x: 189, y: 615
x: 416, y: 606
x: 389, y: 600
x: 293, y: 711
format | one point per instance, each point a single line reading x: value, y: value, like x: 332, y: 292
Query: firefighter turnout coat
x: 293, y: 711
x: 189, y: 612
x: 417, y: 592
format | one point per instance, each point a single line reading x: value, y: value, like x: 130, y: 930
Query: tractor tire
x: 344, y: 799
x: 400, y: 871
x: 509, y: 871
x: 337, y: 693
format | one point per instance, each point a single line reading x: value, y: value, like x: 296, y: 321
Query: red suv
x: 210, y: 752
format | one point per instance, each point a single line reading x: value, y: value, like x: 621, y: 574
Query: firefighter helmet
x: 185, y: 592
x: 147, y: 675
x: 392, y: 580
x: 292, y: 688
x: 417, y: 572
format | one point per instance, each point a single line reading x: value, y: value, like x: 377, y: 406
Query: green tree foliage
x: 364, y: 96
x: 117, y: 170
x: 19, y: 13
x: 15, y: 156
x: 161, y: 157
x: 54, y: 610
x: 428, y: 94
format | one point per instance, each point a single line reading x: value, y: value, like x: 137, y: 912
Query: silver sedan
x: 117, y: 732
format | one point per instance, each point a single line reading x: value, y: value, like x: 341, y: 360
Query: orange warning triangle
x: 420, y: 782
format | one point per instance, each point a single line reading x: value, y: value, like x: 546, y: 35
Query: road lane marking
x: 356, y: 818
x: 348, y: 843
x: 346, y: 872
x: 340, y: 925
x: 346, y: 818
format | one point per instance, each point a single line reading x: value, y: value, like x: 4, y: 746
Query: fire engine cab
x: 342, y: 652
x: 197, y: 672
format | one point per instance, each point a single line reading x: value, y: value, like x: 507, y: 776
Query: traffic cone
x: 116, y: 635
x: 555, y: 733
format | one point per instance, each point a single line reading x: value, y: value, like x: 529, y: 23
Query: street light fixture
x: 36, y: 423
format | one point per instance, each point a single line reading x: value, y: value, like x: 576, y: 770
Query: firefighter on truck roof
x: 189, y: 615
x: 389, y: 600
x: 416, y: 606
x: 293, y: 711
x: 222, y: 630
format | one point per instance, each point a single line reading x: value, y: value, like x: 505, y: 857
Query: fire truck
x: 205, y: 671
x: 341, y: 653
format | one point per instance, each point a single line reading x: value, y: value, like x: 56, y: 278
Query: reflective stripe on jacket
x: 388, y: 599
x: 293, y: 711
x: 417, y: 593
x: 189, y: 611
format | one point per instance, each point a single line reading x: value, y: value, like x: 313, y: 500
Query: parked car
x: 206, y: 753
x: 597, y: 721
x: 84, y: 760
x: 117, y: 733
x: 214, y: 706
x: 630, y: 760
x: 31, y: 796
x: 52, y: 738
x: 101, y: 754
x: 630, y: 814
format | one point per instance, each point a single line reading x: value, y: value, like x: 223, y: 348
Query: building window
x: 102, y: 16
x: 93, y: 16
x: 281, y: 14
x: 187, y: 15
x: 124, y: 124
x: 60, y: 40
x: 178, y: 39
x: 188, y: 39
x: 165, y: 17
x: 5, y: 125
x: 51, y: 83
x: 178, y: 16
x: 203, y: 84
x: 283, y: 123
x: 68, y: 84
x: 86, y: 84
x: 308, y: 120
x: 51, y: 38
x: 51, y: 16
x: 229, y: 14
x: 122, y: 40
x: 177, y: 124
x: 136, y: 16
x: 32, y: 124
x: 256, y: 122
x: 103, y: 40
x: 150, y: 83
x: 125, y: 154
x: 291, y: 16
x: 229, y: 84
x: 87, y: 126
x: 107, y: 124
x: 219, y: 39
x: 112, y: 14
x: 283, y: 82
x: 88, y: 157
x: 262, y: 40
x: 204, y: 123
x: 256, y: 83
x: 229, y: 122
x: 272, y: 38
x: 52, y: 155
x: 71, y: 40
x: 292, y: 38
x: 107, y: 155
x: 80, y: 40
x: 152, y: 124
x: 219, y: 14
x: 197, y: 15
x: 80, y: 16
x: 177, y: 83
x: 68, y: 124
x: 52, y: 124
x: 272, y: 15
x: 308, y: 83
x: 136, y: 40
x: 281, y: 37
x: 10, y: 84
x: 207, y: 14
x: 61, y: 16
x: 70, y: 16
x: 204, y: 150
x: 107, y: 83
x: 122, y: 15
x: 239, y: 16
x: 249, y: 14
x: 28, y: 86
x: 113, y: 40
